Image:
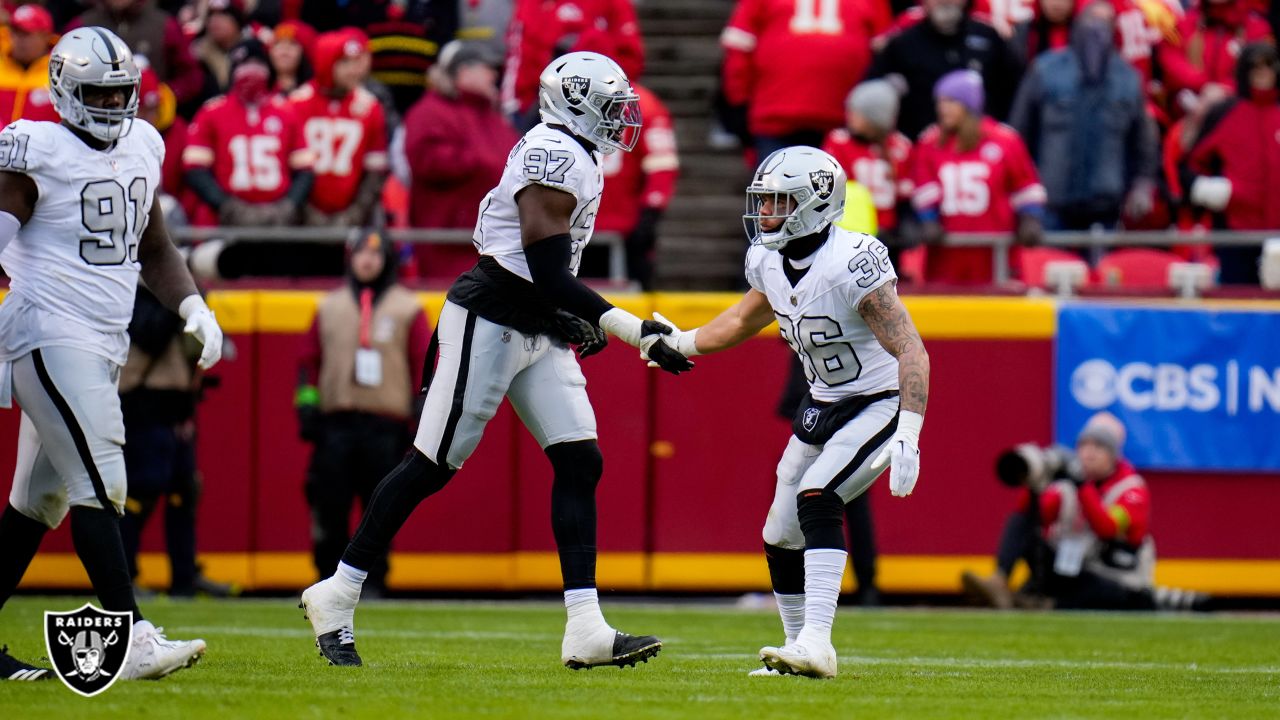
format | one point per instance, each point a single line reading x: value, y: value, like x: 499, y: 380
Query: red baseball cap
x: 32, y: 19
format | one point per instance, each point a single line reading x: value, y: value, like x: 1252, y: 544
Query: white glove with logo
x: 904, y: 453
x: 648, y: 335
x: 204, y: 327
x: 682, y: 341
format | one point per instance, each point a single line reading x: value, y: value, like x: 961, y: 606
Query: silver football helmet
x: 801, y: 189
x: 589, y: 94
x: 93, y: 57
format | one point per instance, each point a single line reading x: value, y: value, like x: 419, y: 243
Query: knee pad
x: 577, y: 463
x: 786, y: 569
x: 783, y: 531
x: 821, y: 513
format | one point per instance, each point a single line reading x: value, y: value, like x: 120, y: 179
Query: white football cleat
x: 153, y: 656
x: 813, y: 659
x: 765, y: 671
x: 587, y: 647
x: 331, y: 608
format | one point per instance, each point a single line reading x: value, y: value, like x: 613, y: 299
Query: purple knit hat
x: 963, y: 86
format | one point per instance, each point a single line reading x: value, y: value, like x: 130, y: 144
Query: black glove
x: 310, y: 421
x: 585, y: 337
x: 667, y: 358
x: 597, y: 342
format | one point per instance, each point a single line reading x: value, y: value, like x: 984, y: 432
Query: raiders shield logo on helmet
x: 574, y: 88
x: 88, y: 646
x: 823, y: 182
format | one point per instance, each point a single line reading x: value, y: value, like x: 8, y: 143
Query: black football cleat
x: 339, y: 648
x: 11, y: 668
x: 627, y: 651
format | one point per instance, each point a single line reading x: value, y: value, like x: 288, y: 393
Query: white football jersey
x: 550, y: 157
x: 819, y: 316
x: 74, y: 264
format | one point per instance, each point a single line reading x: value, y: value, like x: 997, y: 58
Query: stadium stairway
x: 701, y: 246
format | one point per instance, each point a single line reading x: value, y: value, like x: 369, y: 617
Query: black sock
x: 578, y: 467
x: 20, y: 538
x: 413, y: 480
x: 96, y: 535
x: 821, y: 519
x: 786, y: 569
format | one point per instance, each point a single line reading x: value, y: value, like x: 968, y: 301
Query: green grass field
x: 500, y: 660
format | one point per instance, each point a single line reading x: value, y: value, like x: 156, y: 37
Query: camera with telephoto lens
x: 1033, y: 466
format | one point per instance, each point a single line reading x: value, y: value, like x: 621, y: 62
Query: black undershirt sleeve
x: 549, y: 267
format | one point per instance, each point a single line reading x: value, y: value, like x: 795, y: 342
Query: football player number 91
x: 105, y: 208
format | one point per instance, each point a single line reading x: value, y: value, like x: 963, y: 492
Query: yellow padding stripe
x: 659, y: 572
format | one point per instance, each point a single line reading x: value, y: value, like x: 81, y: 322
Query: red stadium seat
x: 1032, y: 262
x: 1136, y: 267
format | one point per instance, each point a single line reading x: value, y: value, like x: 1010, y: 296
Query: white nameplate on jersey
x: 368, y: 367
x: 1070, y: 556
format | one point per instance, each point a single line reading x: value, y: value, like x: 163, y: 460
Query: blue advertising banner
x: 1198, y: 389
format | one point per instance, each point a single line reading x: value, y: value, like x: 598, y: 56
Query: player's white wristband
x: 191, y: 304
x: 622, y: 325
x: 9, y: 227
x: 909, y: 425
x: 687, y: 343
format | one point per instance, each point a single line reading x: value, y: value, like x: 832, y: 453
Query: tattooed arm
x: 884, y: 313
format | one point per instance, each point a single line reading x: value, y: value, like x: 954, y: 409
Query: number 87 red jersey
x: 347, y: 137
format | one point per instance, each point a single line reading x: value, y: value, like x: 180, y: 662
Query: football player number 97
x: 105, y: 208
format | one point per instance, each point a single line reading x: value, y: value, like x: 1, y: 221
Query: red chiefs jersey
x: 884, y: 170
x: 251, y: 151
x: 792, y: 62
x: 347, y: 138
x: 644, y: 177
x: 979, y: 190
x: 540, y: 30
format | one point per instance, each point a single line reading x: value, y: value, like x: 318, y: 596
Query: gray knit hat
x: 1106, y: 430
x: 877, y: 101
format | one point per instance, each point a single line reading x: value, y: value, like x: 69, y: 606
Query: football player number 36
x: 833, y: 361
x: 107, y: 209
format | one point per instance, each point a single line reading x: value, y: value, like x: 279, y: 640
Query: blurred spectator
x: 1048, y: 29
x: 456, y: 142
x: 223, y: 30
x: 357, y: 381
x: 949, y: 39
x: 876, y: 156
x: 159, y: 388
x: 346, y: 132
x: 973, y: 175
x: 486, y: 22
x: 638, y: 186
x: 24, y: 71
x: 1177, y: 144
x: 1081, y: 112
x: 384, y: 94
x: 291, y: 48
x: 1140, y: 26
x: 1232, y: 168
x: 542, y: 30
x: 404, y: 36
x: 153, y: 33
x: 157, y: 106
x: 246, y: 159
x: 792, y: 66
x: 1205, y: 46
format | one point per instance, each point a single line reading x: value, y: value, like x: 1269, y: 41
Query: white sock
x: 823, y: 571
x: 351, y: 577
x: 791, y: 608
x: 583, y: 606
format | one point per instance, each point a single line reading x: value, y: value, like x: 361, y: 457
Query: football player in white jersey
x: 79, y: 222
x: 506, y: 331
x: 833, y: 295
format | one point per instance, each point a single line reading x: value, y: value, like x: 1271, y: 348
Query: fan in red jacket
x: 456, y: 143
x: 792, y: 64
x: 872, y: 152
x: 345, y: 129
x: 1234, y: 168
x: 1208, y: 40
x: 542, y: 30
x: 638, y: 186
x: 973, y: 175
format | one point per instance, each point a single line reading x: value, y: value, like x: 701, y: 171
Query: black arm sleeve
x: 300, y: 187
x: 206, y: 187
x: 549, y: 267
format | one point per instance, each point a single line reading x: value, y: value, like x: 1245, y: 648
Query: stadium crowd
x: 955, y: 116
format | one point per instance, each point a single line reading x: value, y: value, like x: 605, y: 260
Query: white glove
x: 1211, y: 193
x: 904, y: 452
x: 682, y: 341
x: 204, y: 327
x: 630, y: 329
